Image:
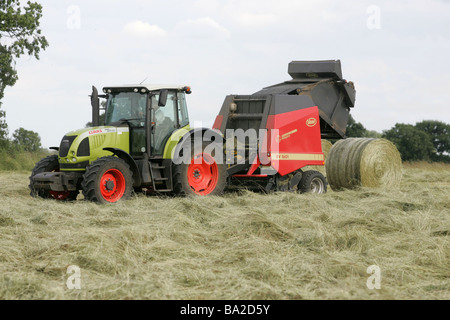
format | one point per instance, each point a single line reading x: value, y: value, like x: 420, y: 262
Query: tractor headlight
x: 74, y: 159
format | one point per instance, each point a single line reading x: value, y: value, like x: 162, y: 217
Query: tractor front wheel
x: 107, y: 179
x: 49, y: 164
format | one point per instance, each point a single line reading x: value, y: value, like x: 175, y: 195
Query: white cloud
x: 205, y: 27
x: 210, y: 6
x: 143, y: 29
x: 257, y: 20
x: 256, y: 14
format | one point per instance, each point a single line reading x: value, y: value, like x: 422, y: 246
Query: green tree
x: 27, y: 140
x: 372, y: 134
x: 355, y: 129
x: 440, y: 137
x: 3, y: 130
x: 4, y: 142
x: 19, y: 34
x: 412, y: 143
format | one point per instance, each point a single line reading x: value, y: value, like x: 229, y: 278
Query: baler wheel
x: 50, y: 164
x: 313, y: 182
x: 107, y: 179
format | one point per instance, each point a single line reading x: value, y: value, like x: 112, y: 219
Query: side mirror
x: 163, y: 98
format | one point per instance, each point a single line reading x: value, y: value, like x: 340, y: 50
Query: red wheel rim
x: 59, y: 195
x: 112, y: 185
x: 203, y: 174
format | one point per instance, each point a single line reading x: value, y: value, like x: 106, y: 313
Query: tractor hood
x: 86, y: 132
x: 78, y: 148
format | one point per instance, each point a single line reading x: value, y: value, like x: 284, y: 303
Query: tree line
x: 428, y: 140
x: 22, y: 140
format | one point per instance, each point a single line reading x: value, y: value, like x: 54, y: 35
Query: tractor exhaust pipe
x: 95, y: 103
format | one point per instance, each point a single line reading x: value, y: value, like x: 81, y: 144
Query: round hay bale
x: 326, y: 146
x: 363, y: 162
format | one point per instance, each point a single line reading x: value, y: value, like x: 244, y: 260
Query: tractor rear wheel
x: 313, y: 182
x: 202, y: 176
x: 107, y: 179
x: 50, y: 164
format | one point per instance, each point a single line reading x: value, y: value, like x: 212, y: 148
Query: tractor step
x: 161, y: 173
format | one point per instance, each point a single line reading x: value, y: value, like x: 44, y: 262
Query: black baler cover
x: 315, y: 69
x: 323, y: 82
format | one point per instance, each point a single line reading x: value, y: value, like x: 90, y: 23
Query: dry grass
x: 239, y: 246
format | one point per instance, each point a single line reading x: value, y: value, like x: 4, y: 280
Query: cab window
x: 165, y: 122
x: 182, y: 110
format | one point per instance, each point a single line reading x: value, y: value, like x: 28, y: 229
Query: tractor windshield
x: 125, y: 106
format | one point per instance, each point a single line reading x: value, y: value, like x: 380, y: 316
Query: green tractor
x: 133, y: 150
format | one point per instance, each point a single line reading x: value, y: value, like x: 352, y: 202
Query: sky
x: 397, y: 53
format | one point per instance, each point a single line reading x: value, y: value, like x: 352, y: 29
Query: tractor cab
x: 151, y: 112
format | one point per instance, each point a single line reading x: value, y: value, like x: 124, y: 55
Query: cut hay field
x: 240, y: 246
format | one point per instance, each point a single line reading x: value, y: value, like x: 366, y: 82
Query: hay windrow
x: 363, y: 162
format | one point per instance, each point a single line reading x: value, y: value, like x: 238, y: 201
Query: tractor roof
x: 149, y: 87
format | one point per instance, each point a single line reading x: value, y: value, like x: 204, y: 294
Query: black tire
x: 313, y: 182
x: 185, y: 186
x: 106, y: 180
x: 50, y: 164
